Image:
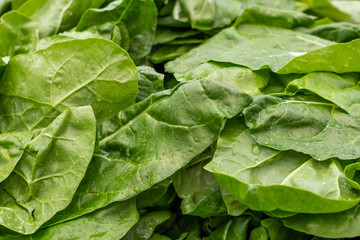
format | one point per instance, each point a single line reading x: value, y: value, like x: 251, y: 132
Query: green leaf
x: 341, y: 90
x: 4, y: 6
x: 49, y: 172
x: 153, y: 195
x: 338, y: 32
x: 15, y: 4
x: 55, y: 16
x: 166, y: 34
x: 111, y: 222
x: 254, y: 46
x: 200, y: 192
x: 277, y: 231
x: 274, y: 17
x: 259, y: 233
x: 164, y: 53
x: 315, y: 128
x: 335, y: 225
x: 240, y: 77
x: 233, y: 206
x: 145, y: 227
x: 236, y: 228
x: 18, y: 33
x: 12, y: 147
x: 139, y: 17
x: 266, y: 180
x: 325, y: 8
x: 150, y: 82
x: 92, y: 72
x: 151, y: 140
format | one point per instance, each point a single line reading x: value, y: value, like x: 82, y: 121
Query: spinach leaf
x: 149, y: 141
x: 236, y: 228
x: 341, y: 90
x: 149, y: 82
x: 315, y: 128
x: 338, y: 32
x: 92, y: 72
x: 18, y: 33
x: 265, y: 179
x: 49, y: 172
x: 12, y: 147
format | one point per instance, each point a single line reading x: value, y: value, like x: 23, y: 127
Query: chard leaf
x: 12, y: 147
x: 251, y: 45
x: 111, y: 222
x: 151, y: 140
x: 333, y: 225
x: 45, y: 179
x: 150, y: 82
x: 343, y: 90
x: 265, y: 179
x: 139, y: 17
x: 55, y: 16
x: 315, y: 128
x: 240, y: 77
x: 92, y: 72
x: 19, y: 34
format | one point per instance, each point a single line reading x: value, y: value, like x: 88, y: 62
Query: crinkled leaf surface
x: 19, y: 34
x: 111, y: 222
x: 341, y: 90
x: 315, y: 128
x: 251, y: 45
x: 12, y: 147
x: 240, y: 77
x: 336, y: 225
x: 152, y: 139
x: 92, y: 72
x: 265, y: 179
x: 55, y: 16
x: 45, y: 179
x: 139, y: 17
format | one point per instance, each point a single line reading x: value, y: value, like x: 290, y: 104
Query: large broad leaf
x: 341, y: 90
x: 325, y: 8
x: 139, y: 17
x: 45, y: 179
x: 111, y: 223
x: 55, y: 16
x: 336, y: 225
x: 92, y: 72
x: 265, y: 179
x: 18, y: 34
x: 250, y: 45
x: 12, y: 146
x: 315, y: 128
x: 338, y: 32
x: 240, y: 77
x: 152, y: 139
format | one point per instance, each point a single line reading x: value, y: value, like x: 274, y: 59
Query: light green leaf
x: 18, y: 34
x: 240, y: 77
x: 45, y: 179
x: 233, y: 206
x: 277, y: 231
x: 12, y: 147
x: 336, y: 225
x: 151, y: 140
x: 166, y: 34
x: 55, y: 16
x: 338, y: 32
x: 251, y: 45
x: 315, y: 128
x: 266, y: 180
x: 164, y: 53
x: 92, y: 72
x: 341, y: 90
x: 111, y: 223
x: 139, y: 17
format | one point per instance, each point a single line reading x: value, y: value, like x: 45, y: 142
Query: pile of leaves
x: 179, y: 119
